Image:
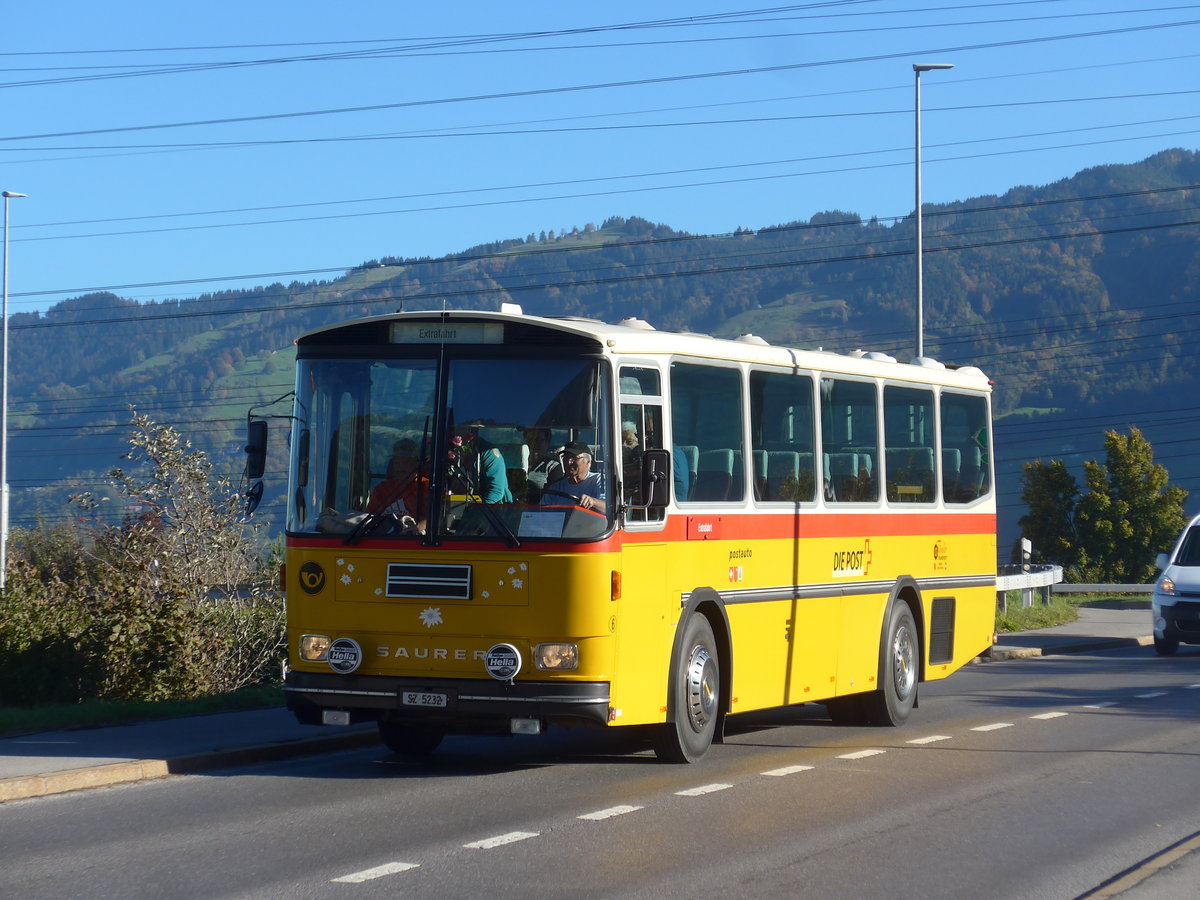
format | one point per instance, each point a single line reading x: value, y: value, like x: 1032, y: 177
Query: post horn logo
x: 312, y: 578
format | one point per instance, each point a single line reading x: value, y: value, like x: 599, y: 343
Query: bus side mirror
x: 656, y: 478
x: 256, y: 448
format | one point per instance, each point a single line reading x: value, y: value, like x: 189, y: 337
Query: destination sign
x: 447, y: 333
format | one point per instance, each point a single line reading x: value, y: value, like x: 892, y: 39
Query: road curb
x: 28, y: 786
x: 998, y: 654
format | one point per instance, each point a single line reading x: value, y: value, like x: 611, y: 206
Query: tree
x: 1129, y: 513
x: 1051, y: 492
x: 1111, y: 532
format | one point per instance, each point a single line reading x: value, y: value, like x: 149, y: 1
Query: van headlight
x: 556, y: 657
x: 1166, y: 586
x: 314, y: 647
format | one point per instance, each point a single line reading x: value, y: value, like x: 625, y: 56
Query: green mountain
x: 1079, y: 298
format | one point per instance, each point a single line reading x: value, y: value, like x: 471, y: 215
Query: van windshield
x: 1189, y: 550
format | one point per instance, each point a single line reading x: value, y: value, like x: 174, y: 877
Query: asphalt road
x: 1044, y: 778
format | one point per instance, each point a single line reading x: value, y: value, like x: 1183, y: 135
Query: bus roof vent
x: 634, y: 322
x: 879, y: 357
x: 752, y: 339
x: 970, y: 371
x: 513, y: 309
x: 928, y: 363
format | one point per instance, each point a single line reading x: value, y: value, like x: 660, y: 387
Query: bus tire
x: 697, y: 695
x: 1165, y: 646
x: 899, y: 666
x: 410, y: 738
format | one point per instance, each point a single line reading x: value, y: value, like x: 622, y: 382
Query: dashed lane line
x: 392, y: 868
x: 931, y: 739
x: 995, y: 726
x: 601, y: 814
x: 786, y: 770
x: 501, y: 840
x: 862, y: 754
x: 1049, y: 715
x: 703, y: 789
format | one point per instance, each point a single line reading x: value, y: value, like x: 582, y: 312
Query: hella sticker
x: 345, y: 655
x: 502, y: 661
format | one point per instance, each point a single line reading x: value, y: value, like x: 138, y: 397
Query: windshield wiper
x: 494, y: 518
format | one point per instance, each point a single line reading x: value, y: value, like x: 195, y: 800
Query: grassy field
x: 1062, y: 608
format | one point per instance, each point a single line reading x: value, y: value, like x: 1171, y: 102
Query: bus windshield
x: 462, y: 448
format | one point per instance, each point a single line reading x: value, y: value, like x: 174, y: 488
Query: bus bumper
x: 471, y: 706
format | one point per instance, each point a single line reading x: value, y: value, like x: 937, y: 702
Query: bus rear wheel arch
x: 899, y: 669
x: 891, y: 703
x: 696, y: 698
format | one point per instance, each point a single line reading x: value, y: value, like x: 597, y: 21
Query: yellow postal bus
x: 499, y: 522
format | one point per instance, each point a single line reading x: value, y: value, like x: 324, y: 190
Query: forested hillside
x: 1079, y: 298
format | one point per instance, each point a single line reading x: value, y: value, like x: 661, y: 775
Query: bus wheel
x: 410, y: 739
x: 899, y: 659
x: 1165, y: 646
x: 697, y: 683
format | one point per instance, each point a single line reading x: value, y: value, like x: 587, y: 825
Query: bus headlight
x: 556, y: 657
x: 314, y: 647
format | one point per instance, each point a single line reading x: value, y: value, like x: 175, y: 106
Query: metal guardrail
x: 1026, y: 579
x: 1047, y: 580
x: 1103, y: 588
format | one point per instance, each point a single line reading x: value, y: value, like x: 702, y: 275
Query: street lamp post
x: 8, y: 195
x: 918, y: 68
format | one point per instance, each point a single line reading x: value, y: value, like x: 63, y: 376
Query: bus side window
x: 965, y: 440
x: 706, y: 413
x: 850, y: 440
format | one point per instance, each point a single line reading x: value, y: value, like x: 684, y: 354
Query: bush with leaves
x: 173, y: 602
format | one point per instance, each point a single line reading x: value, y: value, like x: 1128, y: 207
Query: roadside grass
x: 97, y: 713
x: 1061, y: 609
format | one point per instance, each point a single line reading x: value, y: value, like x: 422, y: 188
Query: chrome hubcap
x: 904, y: 662
x: 701, y: 685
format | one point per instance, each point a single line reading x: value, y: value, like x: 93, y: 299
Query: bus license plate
x: 423, y: 698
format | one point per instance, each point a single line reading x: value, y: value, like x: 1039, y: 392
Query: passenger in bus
x: 631, y: 462
x: 405, y: 491
x: 544, y: 465
x: 582, y: 485
x: 681, y: 473
x: 484, y: 466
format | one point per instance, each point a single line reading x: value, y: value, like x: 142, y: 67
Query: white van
x: 1177, y: 593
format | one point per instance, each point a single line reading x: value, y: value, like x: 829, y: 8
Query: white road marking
x: 995, y: 726
x: 609, y: 813
x: 1049, y: 715
x: 861, y: 754
x: 787, y: 770
x: 1151, y: 695
x: 1105, y: 705
x: 703, y: 789
x: 500, y: 840
x: 932, y: 739
x: 391, y: 868
x: 1191, y: 687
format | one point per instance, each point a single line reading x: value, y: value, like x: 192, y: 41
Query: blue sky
x: 169, y: 149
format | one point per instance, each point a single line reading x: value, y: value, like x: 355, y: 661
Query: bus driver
x: 582, y: 485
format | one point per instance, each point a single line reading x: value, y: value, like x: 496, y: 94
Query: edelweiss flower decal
x: 431, y: 616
